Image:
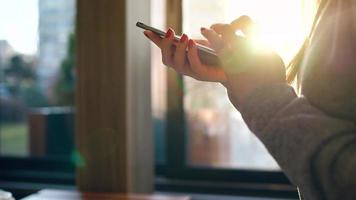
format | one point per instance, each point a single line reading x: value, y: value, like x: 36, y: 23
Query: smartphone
x: 207, y: 55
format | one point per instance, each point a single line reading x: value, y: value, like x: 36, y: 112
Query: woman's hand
x: 243, y: 69
x: 247, y: 66
x: 182, y: 56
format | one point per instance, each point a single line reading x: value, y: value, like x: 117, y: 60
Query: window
x: 217, y: 135
x: 159, y: 88
x: 37, y: 84
x: 206, y: 138
x: 199, y: 136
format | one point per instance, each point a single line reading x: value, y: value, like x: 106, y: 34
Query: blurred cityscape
x: 56, y: 23
x: 41, y: 79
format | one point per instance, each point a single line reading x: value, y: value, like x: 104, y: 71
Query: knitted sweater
x: 312, y: 136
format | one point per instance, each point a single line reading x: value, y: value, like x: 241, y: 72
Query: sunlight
x: 283, y: 25
x: 214, y: 124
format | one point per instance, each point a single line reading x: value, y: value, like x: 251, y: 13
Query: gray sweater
x: 313, y: 135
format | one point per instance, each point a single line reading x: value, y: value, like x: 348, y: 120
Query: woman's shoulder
x: 328, y: 75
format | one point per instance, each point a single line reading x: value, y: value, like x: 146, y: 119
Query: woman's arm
x: 296, y: 133
x: 317, y: 152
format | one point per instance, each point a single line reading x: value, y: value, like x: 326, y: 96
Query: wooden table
x: 75, y: 195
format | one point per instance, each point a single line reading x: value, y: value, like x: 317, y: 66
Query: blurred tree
x: 64, y: 87
x: 16, y: 72
x: 32, y: 95
x: 2, y: 76
x: 20, y: 83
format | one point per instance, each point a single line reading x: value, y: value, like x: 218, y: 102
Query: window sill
x: 226, y: 188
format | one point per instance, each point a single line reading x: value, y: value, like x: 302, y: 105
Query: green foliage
x: 32, y: 95
x: 16, y: 72
x: 21, y: 82
x: 65, y: 85
x: 13, y: 139
x: 19, y: 69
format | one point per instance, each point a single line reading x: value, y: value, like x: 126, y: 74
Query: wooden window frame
x: 176, y: 172
x: 113, y: 108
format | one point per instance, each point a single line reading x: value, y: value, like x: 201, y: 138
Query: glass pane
x: 158, y: 86
x: 218, y: 136
x: 36, y: 77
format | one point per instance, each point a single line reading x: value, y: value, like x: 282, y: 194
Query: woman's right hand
x: 183, y: 57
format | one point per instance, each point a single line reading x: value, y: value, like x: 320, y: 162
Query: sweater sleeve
x: 316, y: 151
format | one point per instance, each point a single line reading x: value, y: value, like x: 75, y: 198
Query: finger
x: 217, y: 27
x: 179, y: 60
x: 214, y: 39
x: 203, y: 42
x: 245, y: 24
x: 226, y: 31
x: 203, y: 72
x: 167, y: 48
x: 153, y: 37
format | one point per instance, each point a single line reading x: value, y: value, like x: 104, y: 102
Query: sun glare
x: 214, y: 125
x: 282, y: 25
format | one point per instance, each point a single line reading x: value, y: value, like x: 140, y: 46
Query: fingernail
x: 169, y: 33
x: 191, y: 43
x: 183, y: 38
x: 202, y: 29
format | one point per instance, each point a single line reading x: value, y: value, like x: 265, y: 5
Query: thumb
x: 245, y: 24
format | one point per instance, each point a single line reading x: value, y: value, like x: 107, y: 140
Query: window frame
x: 175, y: 174
x: 198, y: 178
x: 54, y: 171
x: 176, y: 167
x: 37, y: 170
x: 17, y: 170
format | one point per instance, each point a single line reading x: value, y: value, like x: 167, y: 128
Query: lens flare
x: 282, y: 25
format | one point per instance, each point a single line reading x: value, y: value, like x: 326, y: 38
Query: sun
x: 282, y: 24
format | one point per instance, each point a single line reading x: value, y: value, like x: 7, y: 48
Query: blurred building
x: 56, y: 22
x: 6, y: 51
